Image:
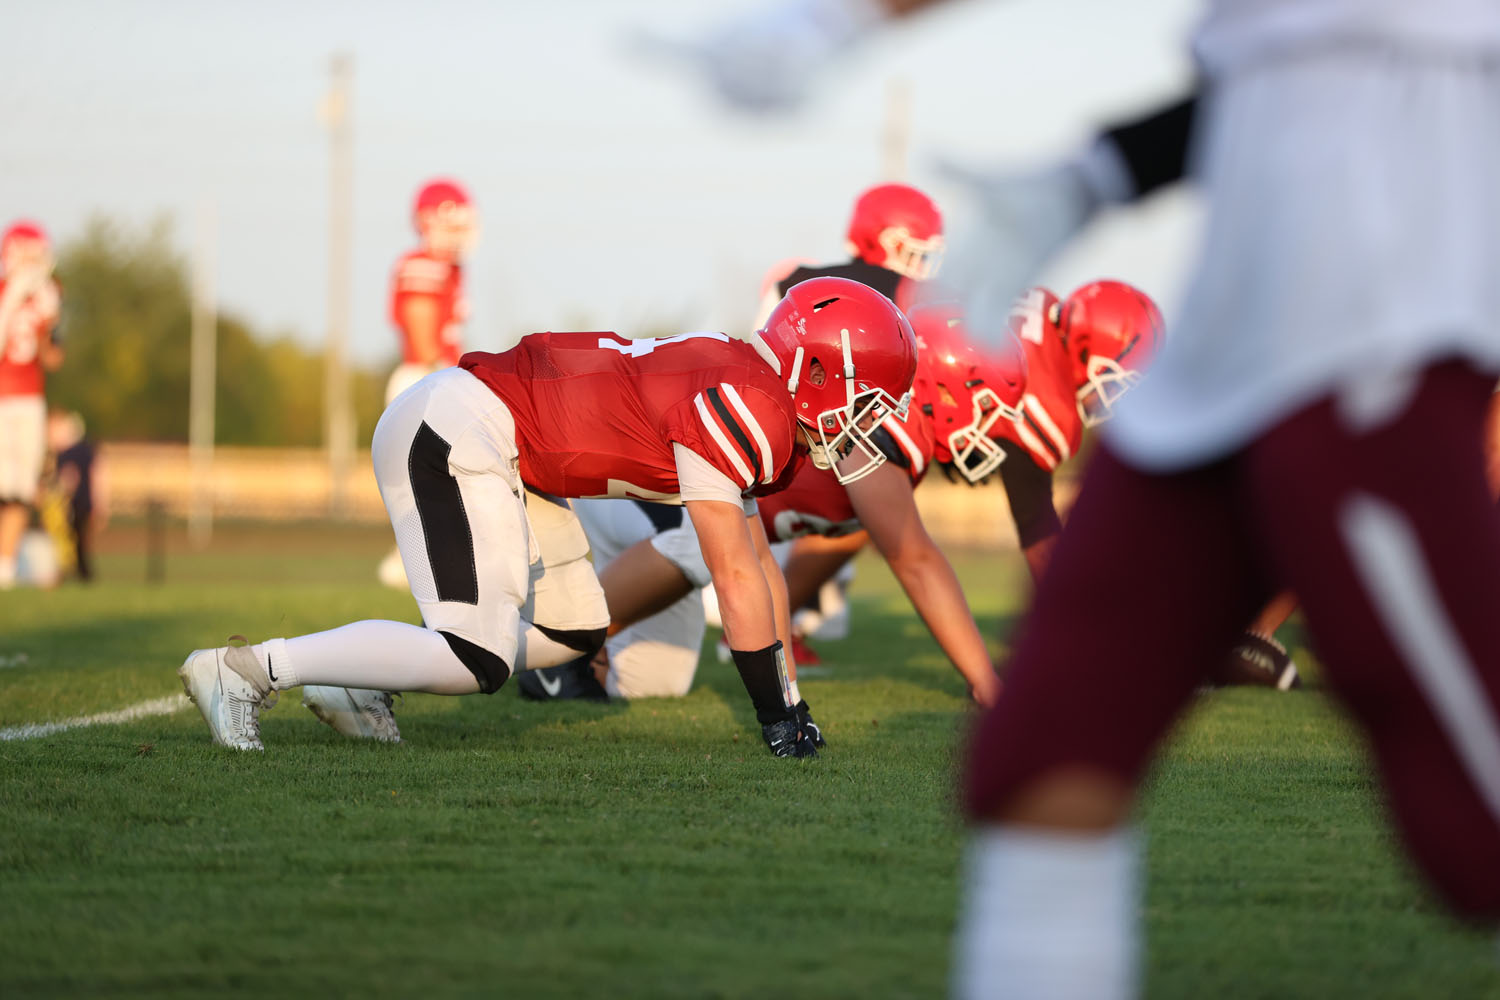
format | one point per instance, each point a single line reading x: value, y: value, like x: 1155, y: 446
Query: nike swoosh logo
x: 553, y: 688
x: 270, y: 672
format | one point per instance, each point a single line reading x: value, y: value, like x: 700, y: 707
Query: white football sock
x: 381, y: 655
x: 1048, y: 915
x: 536, y: 649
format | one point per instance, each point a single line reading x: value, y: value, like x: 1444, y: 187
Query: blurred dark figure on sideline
x: 79, y: 491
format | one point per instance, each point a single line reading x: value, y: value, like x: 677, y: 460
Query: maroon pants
x: 1390, y: 540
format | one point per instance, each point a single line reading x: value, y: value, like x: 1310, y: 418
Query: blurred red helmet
x: 965, y: 391
x: 899, y: 228
x: 1112, y: 330
x: 445, y: 218
x: 24, y: 242
x: 848, y: 357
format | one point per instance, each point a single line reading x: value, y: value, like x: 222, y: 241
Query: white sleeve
x: 697, y: 479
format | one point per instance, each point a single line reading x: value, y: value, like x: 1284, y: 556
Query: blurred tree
x: 126, y: 303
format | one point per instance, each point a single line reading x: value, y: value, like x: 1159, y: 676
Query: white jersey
x: 1353, y: 218
x: 1235, y: 33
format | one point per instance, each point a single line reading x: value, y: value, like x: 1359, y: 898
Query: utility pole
x: 338, y: 425
x: 203, y: 374
x: 895, y: 137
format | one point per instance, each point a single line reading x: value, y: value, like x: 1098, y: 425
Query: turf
x: 649, y: 850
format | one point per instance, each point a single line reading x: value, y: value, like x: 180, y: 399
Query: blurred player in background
x: 959, y: 395
x: 29, y: 304
x: 895, y: 242
x: 428, y: 307
x: 1315, y: 421
x: 472, y: 463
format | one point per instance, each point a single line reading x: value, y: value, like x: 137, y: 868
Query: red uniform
x: 420, y: 273
x: 596, y: 415
x: 816, y: 503
x: 29, y: 324
x: 1050, y: 428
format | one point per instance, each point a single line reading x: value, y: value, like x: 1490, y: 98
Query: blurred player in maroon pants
x: 1314, y: 422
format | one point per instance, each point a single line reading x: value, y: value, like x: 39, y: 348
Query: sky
x: 614, y: 192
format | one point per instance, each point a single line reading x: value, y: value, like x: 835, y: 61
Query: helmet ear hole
x: 816, y: 374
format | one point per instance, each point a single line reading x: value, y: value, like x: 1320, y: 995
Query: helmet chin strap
x: 791, y: 383
x: 848, y: 369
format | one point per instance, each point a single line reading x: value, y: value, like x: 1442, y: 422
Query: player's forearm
x: 746, y: 607
x: 50, y: 355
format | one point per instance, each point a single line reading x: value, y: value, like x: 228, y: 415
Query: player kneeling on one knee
x: 473, y: 463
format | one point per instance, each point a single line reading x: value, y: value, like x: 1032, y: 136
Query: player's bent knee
x: 587, y: 641
x: 489, y: 669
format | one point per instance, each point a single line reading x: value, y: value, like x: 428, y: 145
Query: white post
x: 338, y: 413
x: 203, y: 371
x: 895, y: 139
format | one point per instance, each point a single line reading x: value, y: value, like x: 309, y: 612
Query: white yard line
x: 140, y: 710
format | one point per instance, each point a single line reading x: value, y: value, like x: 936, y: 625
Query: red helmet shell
x: 895, y: 226
x: 1112, y: 331
x: 848, y: 357
x: 964, y: 390
x: 445, y: 218
x: 23, y: 239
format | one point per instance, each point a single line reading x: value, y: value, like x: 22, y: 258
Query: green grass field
x: 649, y: 850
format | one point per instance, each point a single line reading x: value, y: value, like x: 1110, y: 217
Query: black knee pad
x: 488, y: 669
x: 587, y: 641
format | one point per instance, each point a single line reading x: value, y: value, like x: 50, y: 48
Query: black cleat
x: 809, y: 728
x: 572, y: 680
x: 786, y: 739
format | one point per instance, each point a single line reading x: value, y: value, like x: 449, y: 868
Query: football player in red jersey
x: 1084, y: 352
x: 428, y: 307
x: 959, y: 396
x: 29, y: 303
x: 472, y: 463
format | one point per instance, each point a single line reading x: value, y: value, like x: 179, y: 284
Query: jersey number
x: 1028, y: 309
x: 644, y: 346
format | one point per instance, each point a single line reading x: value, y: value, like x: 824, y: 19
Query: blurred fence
x: 294, y: 484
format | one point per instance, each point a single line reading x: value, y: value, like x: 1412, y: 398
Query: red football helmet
x: 899, y: 228
x: 25, y: 246
x: 1112, y: 331
x: 848, y: 357
x: 965, y: 392
x: 445, y: 218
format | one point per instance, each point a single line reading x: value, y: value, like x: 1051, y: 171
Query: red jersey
x: 27, y: 325
x: 596, y: 415
x: 420, y: 273
x: 1050, y: 428
x: 816, y: 503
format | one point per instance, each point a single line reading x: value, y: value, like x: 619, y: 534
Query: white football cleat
x: 356, y: 712
x: 229, y: 686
